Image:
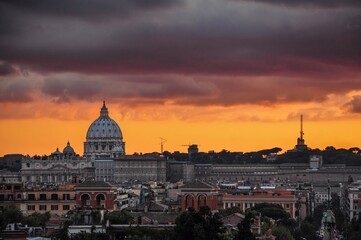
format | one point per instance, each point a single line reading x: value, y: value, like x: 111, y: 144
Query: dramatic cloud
x: 6, y: 69
x: 311, y: 3
x: 204, y: 52
x: 227, y: 39
x: 18, y: 90
x: 90, y: 10
x: 354, y: 105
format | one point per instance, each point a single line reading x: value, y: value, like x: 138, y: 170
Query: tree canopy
x: 201, y: 225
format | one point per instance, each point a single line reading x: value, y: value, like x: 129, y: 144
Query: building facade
x: 286, y: 199
x: 95, y: 194
x: 104, y: 170
x: 139, y: 167
x: 180, y: 171
x: 53, y: 170
x: 57, y: 200
x: 351, y: 200
x: 198, y: 193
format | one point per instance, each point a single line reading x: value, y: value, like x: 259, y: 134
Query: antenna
x: 162, y: 140
x: 301, y: 132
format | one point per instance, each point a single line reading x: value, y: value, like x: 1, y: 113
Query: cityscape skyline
x: 178, y: 146
x: 232, y: 75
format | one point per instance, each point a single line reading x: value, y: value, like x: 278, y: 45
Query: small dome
x: 104, y: 127
x: 57, y: 152
x: 68, y: 149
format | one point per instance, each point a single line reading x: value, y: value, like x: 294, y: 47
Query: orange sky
x: 213, y: 128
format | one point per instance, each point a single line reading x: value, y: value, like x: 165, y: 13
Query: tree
x: 273, y: 211
x: 192, y: 225
x: 37, y: 219
x: 62, y: 232
x: 229, y: 211
x: 119, y: 217
x: 10, y: 215
x: 244, y: 228
x: 282, y: 233
x: 355, y: 228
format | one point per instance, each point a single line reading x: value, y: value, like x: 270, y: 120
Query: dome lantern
x: 104, y: 111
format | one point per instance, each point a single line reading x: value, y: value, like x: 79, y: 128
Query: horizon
x: 232, y: 75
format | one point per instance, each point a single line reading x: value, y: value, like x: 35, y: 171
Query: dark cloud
x: 205, y: 52
x: 201, y: 91
x: 311, y: 3
x: 150, y: 89
x: 19, y: 91
x: 91, y: 10
x: 354, y: 106
x: 6, y: 69
x: 232, y: 41
x: 64, y: 90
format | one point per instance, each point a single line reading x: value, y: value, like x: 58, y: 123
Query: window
x: 66, y: 196
x: 31, y: 207
x: 1, y: 197
x: 54, y: 207
x: 43, y: 196
x: 66, y: 207
x: 42, y: 207
x: 31, y: 197
x: 287, y: 205
x: 54, y: 196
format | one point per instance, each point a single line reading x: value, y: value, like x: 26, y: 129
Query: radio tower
x: 301, y: 133
x: 162, y: 140
x: 301, y: 146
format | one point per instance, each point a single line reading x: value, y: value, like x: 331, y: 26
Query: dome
x: 104, y: 127
x: 57, y: 152
x: 68, y: 149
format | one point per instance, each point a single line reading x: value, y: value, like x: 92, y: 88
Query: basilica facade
x: 104, y: 159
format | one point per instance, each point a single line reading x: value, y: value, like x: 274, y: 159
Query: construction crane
x: 162, y: 141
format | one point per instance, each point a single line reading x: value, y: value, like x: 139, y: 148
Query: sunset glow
x: 232, y: 75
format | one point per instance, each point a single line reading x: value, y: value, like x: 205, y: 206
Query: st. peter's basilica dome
x: 102, y: 136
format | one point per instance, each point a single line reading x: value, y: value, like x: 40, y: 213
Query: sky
x: 223, y: 74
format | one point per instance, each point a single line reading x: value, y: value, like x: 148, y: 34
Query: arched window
x: 189, y: 201
x: 202, y: 200
x: 85, y: 200
x: 100, y: 198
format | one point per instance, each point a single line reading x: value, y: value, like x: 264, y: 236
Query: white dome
x: 104, y: 127
x: 103, y: 136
